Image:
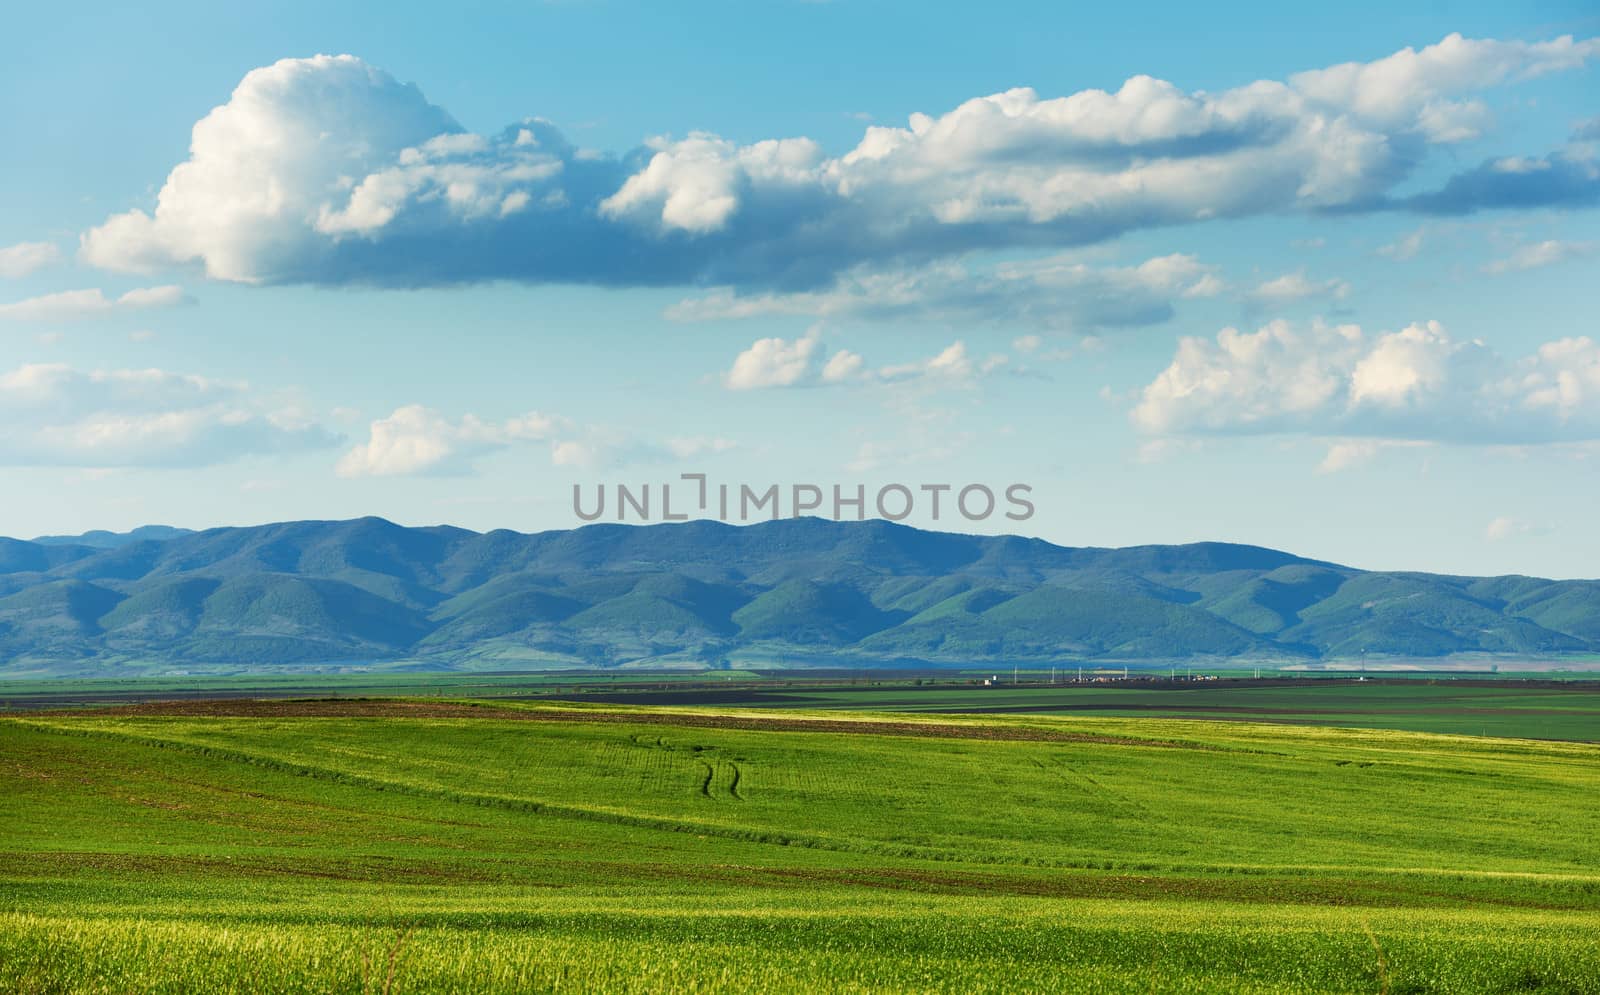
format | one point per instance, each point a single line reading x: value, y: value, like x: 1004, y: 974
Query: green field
x: 437, y: 846
x: 1527, y: 708
x: 1456, y: 707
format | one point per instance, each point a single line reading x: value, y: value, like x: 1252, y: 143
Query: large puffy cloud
x: 1394, y: 90
x: 327, y: 170
x: 1054, y: 292
x: 1415, y: 384
x: 54, y: 415
x: 72, y: 304
x: 269, y: 167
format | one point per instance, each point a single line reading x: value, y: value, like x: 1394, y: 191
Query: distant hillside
x: 101, y: 539
x: 791, y: 592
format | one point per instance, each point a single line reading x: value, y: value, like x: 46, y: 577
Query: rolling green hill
x: 454, y: 846
x: 856, y: 594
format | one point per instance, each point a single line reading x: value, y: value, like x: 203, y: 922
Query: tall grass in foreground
x: 1084, y: 947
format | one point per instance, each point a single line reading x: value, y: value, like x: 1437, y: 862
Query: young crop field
x: 444, y: 845
x: 1457, y: 707
x: 1522, y: 708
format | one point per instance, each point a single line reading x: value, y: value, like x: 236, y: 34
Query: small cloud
x: 841, y: 367
x: 869, y: 456
x: 574, y: 454
x: 55, y: 415
x: 1349, y: 453
x: 778, y: 362
x: 1294, y: 287
x: 419, y: 441
x: 70, y: 305
x: 17, y: 261
x: 1541, y: 254
x: 1587, y: 131
x: 1047, y: 292
x: 1504, y: 528
x: 951, y: 365
x: 1405, y: 247
x: 689, y: 448
x: 92, y: 475
x: 1160, y: 450
x: 1344, y: 455
x: 805, y: 362
x: 1209, y: 285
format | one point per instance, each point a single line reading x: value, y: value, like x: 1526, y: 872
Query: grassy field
x: 443, y: 846
x: 1456, y: 707
x: 1527, y: 709
x: 57, y: 692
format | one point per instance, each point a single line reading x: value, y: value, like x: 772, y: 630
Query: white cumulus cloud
x: 69, y: 305
x: 1506, y: 527
x: 1052, y: 292
x: 328, y: 170
x: 419, y: 440
x: 55, y: 415
x: 801, y: 362
x: 416, y: 440
x: 1406, y: 246
x: 1294, y: 287
x: 19, y: 260
x: 1416, y: 384
x: 1345, y: 454
x: 805, y: 362
x: 1541, y: 254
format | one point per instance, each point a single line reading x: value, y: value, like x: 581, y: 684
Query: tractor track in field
x: 401, y: 709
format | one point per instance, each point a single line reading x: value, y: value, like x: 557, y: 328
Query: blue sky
x: 1292, y: 285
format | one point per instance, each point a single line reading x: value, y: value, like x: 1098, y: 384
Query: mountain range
x: 791, y: 592
x: 101, y: 539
